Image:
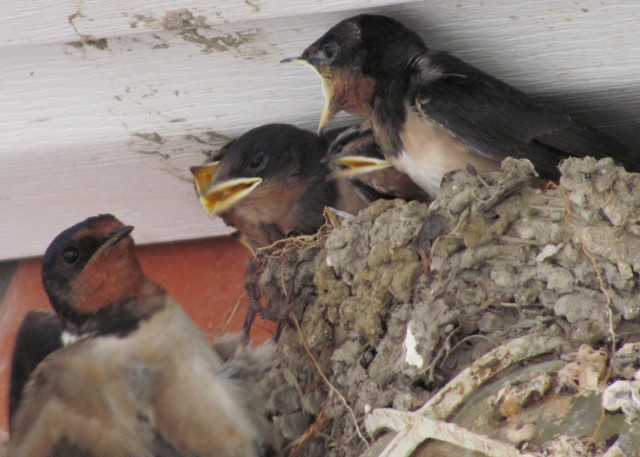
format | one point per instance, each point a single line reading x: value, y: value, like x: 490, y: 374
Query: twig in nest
x: 445, y: 347
x: 547, y: 208
x: 286, y: 307
x: 332, y: 388
x: 291, y: 379
x: 415, y: 427
x: 296, y: 446
x: 513, y: 239
x: 333, y: 218
x: 459, y: 343
x: 473, y: 171
x: 230, y: 314
x: 285, y: 245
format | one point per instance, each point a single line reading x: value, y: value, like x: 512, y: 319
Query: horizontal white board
x: 105, y: 104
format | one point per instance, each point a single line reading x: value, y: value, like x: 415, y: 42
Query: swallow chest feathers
x: 146, y: 384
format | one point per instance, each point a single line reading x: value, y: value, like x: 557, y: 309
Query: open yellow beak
x: 203, y: 175
x: 217, y: 197
x: 358, y: 165
x: 329, y: 111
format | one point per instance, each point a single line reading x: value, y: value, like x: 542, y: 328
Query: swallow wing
x: 72, y: 407
x: 197, y: 407
x: 498, y: 120
x: 38, y: 336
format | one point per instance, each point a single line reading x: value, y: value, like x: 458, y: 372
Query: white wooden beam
x: 105, y: 104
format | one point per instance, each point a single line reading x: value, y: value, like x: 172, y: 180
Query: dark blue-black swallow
x: 433, y: 113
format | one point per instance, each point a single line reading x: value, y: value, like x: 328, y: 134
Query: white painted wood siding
x: 105, y: 104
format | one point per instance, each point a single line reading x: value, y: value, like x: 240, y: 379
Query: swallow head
x: 336, y: 58
x: 260, y: 163
x: 354, y: 60
x: 90, y: 269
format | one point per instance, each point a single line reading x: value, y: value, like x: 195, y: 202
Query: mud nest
x: 386, y: 309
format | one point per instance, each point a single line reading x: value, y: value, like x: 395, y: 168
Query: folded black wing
x: 38, y: 336
x: 498, y: 120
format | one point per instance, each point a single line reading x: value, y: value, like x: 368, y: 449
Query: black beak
x: 117, y: 236
x: 293, y: 59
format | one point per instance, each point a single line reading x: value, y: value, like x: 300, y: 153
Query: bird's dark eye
x: 330, y: 50
x: 70, y: 254
x: 256, y: 161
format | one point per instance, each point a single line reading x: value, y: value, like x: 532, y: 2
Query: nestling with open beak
x: 355, y: 155
x: 432, y: 113
x: 141, y: 379
x: 271, y: 183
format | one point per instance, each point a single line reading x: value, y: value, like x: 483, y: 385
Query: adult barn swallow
x: 40, y: 334
x: 271, y: 182
x: 432, y: 113
x: 356, y: 155
x: 140, y: 378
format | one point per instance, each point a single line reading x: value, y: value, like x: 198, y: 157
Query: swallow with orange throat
x: 433, y: 113
x: 356, y: 155
x: 271, y: 183
x: 137, y: 377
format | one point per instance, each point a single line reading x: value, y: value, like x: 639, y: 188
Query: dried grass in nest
x: 282, y: 251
